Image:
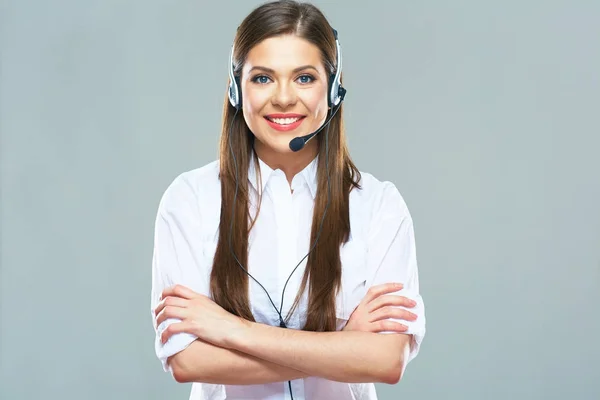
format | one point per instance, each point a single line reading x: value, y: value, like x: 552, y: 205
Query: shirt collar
x: 308, y: 175
x: 253, y: 177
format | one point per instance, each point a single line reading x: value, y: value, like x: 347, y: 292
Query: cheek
x: 317, y: 104
x: 254, y: 102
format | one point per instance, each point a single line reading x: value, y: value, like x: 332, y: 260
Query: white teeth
x: 284, y: 121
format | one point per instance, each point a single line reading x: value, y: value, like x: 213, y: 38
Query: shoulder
x: 380, y: 198
x: 199, y: 186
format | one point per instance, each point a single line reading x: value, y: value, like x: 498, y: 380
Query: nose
x: 284, y: 95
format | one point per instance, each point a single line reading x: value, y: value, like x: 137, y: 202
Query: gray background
x: 485, y: 115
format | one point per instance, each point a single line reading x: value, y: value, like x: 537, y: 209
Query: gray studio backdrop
x: 484, y: 114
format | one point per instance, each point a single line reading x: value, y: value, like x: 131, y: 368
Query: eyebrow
x: 271, y: 71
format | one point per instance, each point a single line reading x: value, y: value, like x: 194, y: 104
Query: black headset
x: 335, y: 98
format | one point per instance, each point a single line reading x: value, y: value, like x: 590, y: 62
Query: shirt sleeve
x: 392, y: 258
x: 176, y: 259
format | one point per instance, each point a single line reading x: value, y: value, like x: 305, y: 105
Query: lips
x: 284, y: 122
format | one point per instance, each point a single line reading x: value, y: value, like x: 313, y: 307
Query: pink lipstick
x: 284, y: 122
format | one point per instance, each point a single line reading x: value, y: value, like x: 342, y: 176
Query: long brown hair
x: 228, y: 282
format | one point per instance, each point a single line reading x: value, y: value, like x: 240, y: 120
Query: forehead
x: 283, y: 53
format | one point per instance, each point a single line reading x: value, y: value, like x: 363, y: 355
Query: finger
x: 381, y: 326
x: 378, y: 290
x: 170, y: 301
x: 171, y: 312
x: 179, y: 291
x: 173, y: 329
x: 391, y: 300
x: 392, y: 312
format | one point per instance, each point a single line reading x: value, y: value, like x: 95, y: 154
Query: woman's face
x: 284, y: 89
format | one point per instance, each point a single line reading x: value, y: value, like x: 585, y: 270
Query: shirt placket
x: 287, y: 228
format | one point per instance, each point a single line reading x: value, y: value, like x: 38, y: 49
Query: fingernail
x: 413, y: 303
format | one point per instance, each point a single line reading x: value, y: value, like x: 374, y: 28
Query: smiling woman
x: 281, y: 269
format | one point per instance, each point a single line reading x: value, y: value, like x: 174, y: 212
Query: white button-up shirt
x: 381, y: 249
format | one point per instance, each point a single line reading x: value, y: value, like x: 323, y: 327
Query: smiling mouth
x: 284, y: 124
x: 284, y: 121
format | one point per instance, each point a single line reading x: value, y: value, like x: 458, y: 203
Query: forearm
x: 204, y: 362
x: 343, y: 356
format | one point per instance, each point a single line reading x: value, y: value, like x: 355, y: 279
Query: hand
x: 199, y: 316
x: 374, y: 309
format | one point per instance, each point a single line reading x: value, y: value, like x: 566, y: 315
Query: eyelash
x: 255, y: 79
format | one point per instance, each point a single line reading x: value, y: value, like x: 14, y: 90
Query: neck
x: 290, y: 163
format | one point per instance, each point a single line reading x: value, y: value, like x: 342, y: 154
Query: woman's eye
x: 261, y: 79
x: 306, y: 79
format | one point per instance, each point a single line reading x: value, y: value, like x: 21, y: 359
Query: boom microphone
x: 298, y: 143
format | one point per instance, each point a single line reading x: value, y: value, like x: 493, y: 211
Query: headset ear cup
x: 235, y: 93
x: 330, y: 95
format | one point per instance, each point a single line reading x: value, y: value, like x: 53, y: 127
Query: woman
x: 278, y: 268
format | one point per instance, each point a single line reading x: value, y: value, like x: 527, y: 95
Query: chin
x: 280, y: 141
x: 275, y: 144
x: 277, y: 141
x: 282, y: 145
